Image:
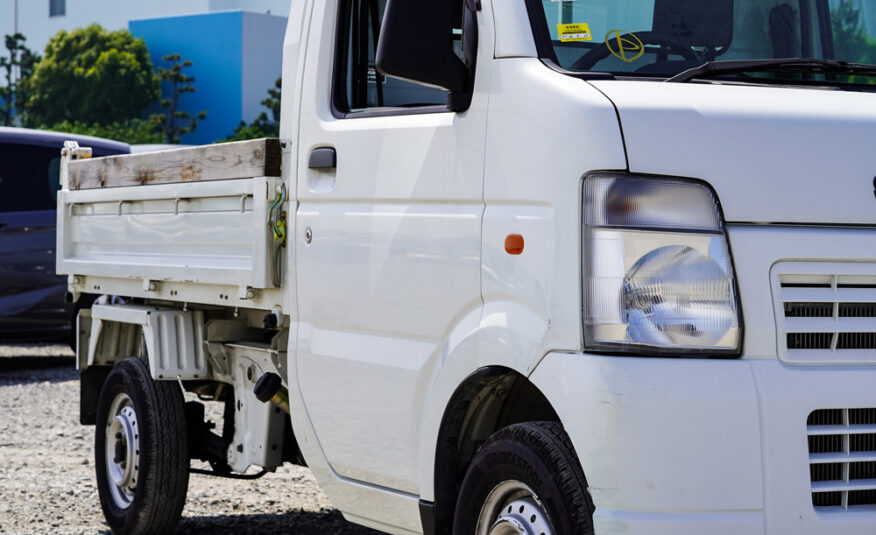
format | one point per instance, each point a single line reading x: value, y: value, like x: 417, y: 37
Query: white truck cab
x: 513, y: 266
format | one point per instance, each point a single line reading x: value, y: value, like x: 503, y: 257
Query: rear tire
x: 141, y: 451
x: 525, y: 479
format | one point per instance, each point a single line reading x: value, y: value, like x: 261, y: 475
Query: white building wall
x: 271, y: 7
x: 37, y: 26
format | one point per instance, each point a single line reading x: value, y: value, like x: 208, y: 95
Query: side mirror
x: 416, y: 44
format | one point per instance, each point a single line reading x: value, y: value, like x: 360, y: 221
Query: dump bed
x: 189, y: 224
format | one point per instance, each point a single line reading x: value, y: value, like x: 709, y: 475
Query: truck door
x: 31, y: 295
x: 390, y: 185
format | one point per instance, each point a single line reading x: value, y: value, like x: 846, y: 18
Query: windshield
x: 666, y: 37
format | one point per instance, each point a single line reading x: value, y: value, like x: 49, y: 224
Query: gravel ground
x: 47, y: 467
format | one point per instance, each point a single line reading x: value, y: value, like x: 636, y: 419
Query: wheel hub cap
x: 122, y: 451
x: 522, y: 517
x: 512, y: 508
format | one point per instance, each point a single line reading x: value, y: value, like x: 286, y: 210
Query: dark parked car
x: 33, y: 307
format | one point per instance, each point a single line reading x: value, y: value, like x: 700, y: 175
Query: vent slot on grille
x: 826, y: 310
x: 827, y: 318
x: 842, y: 457
x: 808, y: 310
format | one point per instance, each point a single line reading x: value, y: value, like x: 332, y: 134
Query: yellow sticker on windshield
x: 624, y: 45
x: 574, y: 32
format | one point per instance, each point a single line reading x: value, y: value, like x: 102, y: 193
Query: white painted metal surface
x: 398, y: 286
x: 207, y: 232
x: 513, y: 32
x: 258, y: 427
x: 757, y: 248
x: 392, y: 268
x: 823, y: 312
x: 735, y: 431
x: 666, y: 446
x: 772, y: 154
x: 174, y: 338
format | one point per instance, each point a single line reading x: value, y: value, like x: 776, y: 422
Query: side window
x: 28, y: 177
x: 358, y: 85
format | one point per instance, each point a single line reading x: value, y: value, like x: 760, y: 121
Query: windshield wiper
x: 794, y: 65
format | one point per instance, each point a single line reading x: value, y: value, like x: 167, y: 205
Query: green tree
x: 18, y: 68
x: 133, y: 131
x: 851, y: 42
x: 274, y: 100
x: 262, y: 126
x: 176, y: 123
x: 91, y: 75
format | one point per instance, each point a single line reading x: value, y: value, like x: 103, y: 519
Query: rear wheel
x: 525, y: 480
x: 141, y: 450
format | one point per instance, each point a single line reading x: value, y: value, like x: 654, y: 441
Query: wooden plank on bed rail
x: 224, y: 161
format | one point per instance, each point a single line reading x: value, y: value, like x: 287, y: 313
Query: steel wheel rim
x: 512, y: 508
x: 122, y: 451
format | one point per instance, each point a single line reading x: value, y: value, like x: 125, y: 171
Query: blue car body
x: 33, y: 305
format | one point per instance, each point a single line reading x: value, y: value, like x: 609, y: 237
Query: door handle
x: 323, y: 158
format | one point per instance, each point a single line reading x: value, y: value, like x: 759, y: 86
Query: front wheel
x: 524, y: 480
x: 141, y: 451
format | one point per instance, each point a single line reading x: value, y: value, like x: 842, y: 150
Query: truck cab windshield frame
x: 659, y: 39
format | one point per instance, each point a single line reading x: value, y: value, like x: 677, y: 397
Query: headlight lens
x: 658, y: 275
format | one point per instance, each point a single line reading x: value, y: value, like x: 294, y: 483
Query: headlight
x: 657, y: 272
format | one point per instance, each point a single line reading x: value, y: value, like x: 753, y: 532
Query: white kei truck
x: 491, y: 278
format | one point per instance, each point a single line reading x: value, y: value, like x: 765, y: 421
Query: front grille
x: 827, y: 318
x: 842, y: 457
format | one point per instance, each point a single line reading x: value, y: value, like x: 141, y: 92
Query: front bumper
x: 676, y: 446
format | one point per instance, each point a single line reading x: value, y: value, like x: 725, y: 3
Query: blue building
x: 237, y: 56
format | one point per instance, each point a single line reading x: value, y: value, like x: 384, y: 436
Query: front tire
x: 524, y: 479
x: 141, y: 451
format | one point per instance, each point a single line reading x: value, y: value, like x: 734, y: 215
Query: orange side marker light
x: 514, y: 244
